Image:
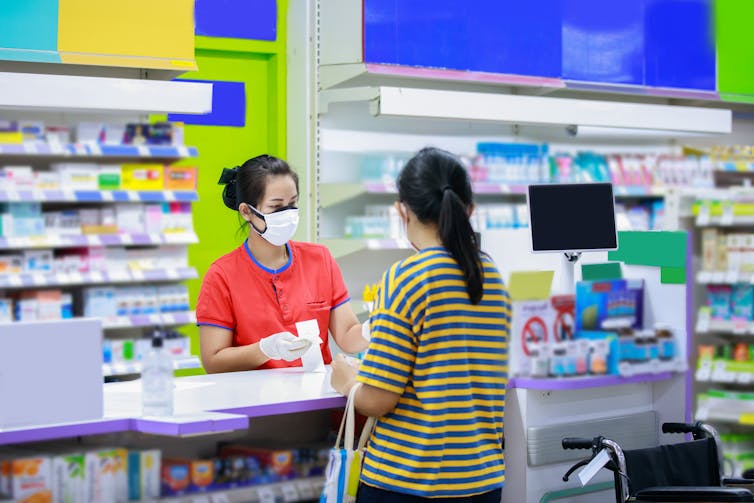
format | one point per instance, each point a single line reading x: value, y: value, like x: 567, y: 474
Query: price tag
x: 96, y: 277
x: 727, y: 218
x: 172, y: 274
x: 740, y: 328
x: 290, y: 493
x: 219, y: 498
x: 137, y: 275
x: 39, y: 278
x: 718, y: 277
x: 107, y: 196
x: 731, y: 277
x: 55, y: 146
x: 30, y: 148
x: 15, y: 280
x: 133, y: 196
x: 13, y: 195
x: 126, y: 239
x: 183, y: 151
x: 95, y: 150
x: 76, y: 277
x: 155, y: 238
x: 702, y: 218
x: 702, y: 322
x: 266, y: 495
x: 305, y: 490
x: 704, y: 277
x: 69, y: 195
x: 595, y: 465
x: 143, y: 150
x: 119, y: 275
x: 744, y: 377
x: 168, y: 319
x: 79, y: 149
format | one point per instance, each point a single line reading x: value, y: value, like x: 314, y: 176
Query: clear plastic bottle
x: 157, y: 380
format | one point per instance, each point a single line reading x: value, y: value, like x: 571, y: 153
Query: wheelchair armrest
x: 732, y: 481
x: 678, y: 494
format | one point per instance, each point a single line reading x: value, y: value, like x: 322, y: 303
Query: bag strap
x: 366, y: 432
x: 348, y: 420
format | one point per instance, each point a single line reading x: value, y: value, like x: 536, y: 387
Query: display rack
x: 88, y: 97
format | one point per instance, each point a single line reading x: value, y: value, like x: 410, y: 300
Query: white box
x: 70, y: 350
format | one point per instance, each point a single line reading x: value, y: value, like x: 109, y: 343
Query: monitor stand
x: 567, y: 272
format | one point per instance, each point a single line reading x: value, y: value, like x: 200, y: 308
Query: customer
x: 436, y: 367
x: 252, y: 297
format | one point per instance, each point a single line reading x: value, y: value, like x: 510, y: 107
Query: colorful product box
x: 619, y: 301
x: 742, y: 302
x: 142, y: 177
x: 108, y: 177
x: 107, y: 479
x: 277, y: 463
x: 30, y: 479
x: 69, y: 478
x: 180, y: 178
x: 176, y: 477
x: 144, y: 474
x: 719, y: 299
x: 709, y: 249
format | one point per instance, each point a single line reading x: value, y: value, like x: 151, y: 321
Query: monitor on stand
x: 571, y: 219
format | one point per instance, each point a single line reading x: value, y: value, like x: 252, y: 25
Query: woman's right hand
x: 285, y: 346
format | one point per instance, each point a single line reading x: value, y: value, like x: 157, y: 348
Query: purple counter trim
x: 461, y: 75
x: 273, y: 409
x: 41, y: 433
x: 198, y: 427
x: 683, y: 93
x: 689, y: 322
x: 583, y: 382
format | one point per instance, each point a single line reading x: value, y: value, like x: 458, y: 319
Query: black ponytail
x: 459, y: 239
x: 435, y: 185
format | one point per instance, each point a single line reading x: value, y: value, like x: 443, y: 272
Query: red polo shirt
x: 240, y: 294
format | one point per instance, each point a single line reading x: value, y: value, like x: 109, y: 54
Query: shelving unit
x: 93, y: 151
x: 149, y: 320
x: 36, y: 280
x: 129, y: 368
x: 84, y: 240
x: 91, y: 196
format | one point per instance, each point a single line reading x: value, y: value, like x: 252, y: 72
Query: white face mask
x: 403, y: 215
x: 280, y: 226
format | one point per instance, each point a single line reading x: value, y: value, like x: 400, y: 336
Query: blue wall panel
x: 29, y: 24
x: 603, y: 41
x: 680, y: 44
x: 248, y: 19
x: 228, y: 106
x: 500, y: 36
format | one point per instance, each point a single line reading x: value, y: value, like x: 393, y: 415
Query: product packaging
x: 709, y: 249
x: 180, y: 178
x: 107, y: 479
x: 69, y: 477
x: 742, y: 301
x: 142, y: 177
x: 176, y: 476
x: 144, y: 474
x: 30, y: 478
x: 719, y: 299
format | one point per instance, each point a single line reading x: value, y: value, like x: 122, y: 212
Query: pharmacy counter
x: 203, y: 404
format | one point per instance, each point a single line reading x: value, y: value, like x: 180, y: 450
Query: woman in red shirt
x: 252, y: 298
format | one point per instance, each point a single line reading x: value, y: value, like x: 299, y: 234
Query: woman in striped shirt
x: 436, y: 368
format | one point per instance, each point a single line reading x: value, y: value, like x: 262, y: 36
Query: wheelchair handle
x: 577, y: 443
x: 680, y: 428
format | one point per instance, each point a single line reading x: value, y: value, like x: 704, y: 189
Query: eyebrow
x: 281, y: 199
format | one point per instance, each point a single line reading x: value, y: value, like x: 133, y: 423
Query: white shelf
x: 416, y: 103
x: 148, y: 320
x: 724, y: 327
x: 735, y: 220
x: 334, y: 193
x: 68, y: 93
x: 85, y: 240
x: 96, y: 150
x: 97, y: 196
x: 289, y: 491
x: 126, y: 368
x: 32, y: 280
x: 340, y: 247
x: 724, y: 277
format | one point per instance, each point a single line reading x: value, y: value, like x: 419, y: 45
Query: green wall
x: 262, y: 66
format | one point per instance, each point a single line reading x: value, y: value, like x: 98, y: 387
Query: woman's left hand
x: 343, y: 375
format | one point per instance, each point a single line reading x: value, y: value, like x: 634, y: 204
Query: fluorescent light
x: 29, y: 91
x: 474, y: 106
x: 615, y: 132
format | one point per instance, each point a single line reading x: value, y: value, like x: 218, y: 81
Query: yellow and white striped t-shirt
x: 448, y: 359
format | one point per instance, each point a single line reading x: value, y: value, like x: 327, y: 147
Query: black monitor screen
x: 572, y: 217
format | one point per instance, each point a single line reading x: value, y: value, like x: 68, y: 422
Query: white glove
x: 366, y: 333
x: 284, y: 346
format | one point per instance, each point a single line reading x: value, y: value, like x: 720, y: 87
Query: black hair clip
x: 228, y: 176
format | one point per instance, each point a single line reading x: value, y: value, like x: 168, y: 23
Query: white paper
x: 311, y: 360
x: 595, y: 465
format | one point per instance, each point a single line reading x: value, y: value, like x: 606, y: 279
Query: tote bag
x: 344, y: 466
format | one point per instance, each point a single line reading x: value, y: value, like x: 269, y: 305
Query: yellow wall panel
x: 161, y: 30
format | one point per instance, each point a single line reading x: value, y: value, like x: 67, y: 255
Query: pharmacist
x: 252, y: 297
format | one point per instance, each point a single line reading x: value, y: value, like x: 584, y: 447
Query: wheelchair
x: 690, y: 472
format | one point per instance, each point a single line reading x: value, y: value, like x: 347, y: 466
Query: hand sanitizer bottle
x: 157, y: 380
